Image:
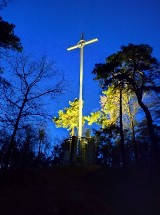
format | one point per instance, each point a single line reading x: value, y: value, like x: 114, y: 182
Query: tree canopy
x: 8, y: 39
x: 135, y: 69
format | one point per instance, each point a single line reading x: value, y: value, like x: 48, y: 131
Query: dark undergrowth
x: 81, y: 190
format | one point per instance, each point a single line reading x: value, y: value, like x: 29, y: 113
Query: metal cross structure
x: 80, y: 45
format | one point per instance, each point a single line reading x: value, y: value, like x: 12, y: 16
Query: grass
x: 81, y: 190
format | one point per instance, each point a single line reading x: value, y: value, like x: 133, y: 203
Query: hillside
x: 81, y: 190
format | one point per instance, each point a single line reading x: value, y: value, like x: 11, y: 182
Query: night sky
x: 54, y: 25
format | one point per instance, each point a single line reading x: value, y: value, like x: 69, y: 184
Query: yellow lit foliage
x: 69, y: 117
x: 109, y: 106
x: 109, y: 112
x: 93, y: 118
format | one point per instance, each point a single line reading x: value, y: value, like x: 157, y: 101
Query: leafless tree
x: 34, y: 84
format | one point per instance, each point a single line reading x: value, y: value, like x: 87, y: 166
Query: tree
x: 108, y: 139
x: 26, y: 138
x: 132, y: 108
x: 137, y: 69
x: 152, y: 100
x: 107, y: 115
x: 8, y: 40
x: 43, y: 150
x: 69, y: 117
x: 114, y: 109
x: 33, y: 83
x: 58, y: 153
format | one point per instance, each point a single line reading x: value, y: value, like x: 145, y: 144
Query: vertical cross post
x: 81, y: 45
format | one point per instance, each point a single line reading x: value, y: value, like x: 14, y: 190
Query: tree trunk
x: 150, y: 128
x: 121, y: 133
x: 135, y: 148
x: 12, y: 139
x: 134, y: 144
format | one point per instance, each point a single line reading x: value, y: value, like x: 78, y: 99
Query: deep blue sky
x: 51, y: 26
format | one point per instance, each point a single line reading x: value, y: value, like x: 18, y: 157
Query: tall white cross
x: 80, y: 45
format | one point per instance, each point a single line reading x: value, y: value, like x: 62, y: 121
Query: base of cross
x: 80, y: 151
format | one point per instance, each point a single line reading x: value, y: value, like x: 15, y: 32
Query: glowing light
x: 80, y: 45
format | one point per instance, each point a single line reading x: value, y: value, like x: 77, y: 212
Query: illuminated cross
x: 80, y: 45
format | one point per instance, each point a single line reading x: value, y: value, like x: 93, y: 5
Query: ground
x: 81, y: 190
